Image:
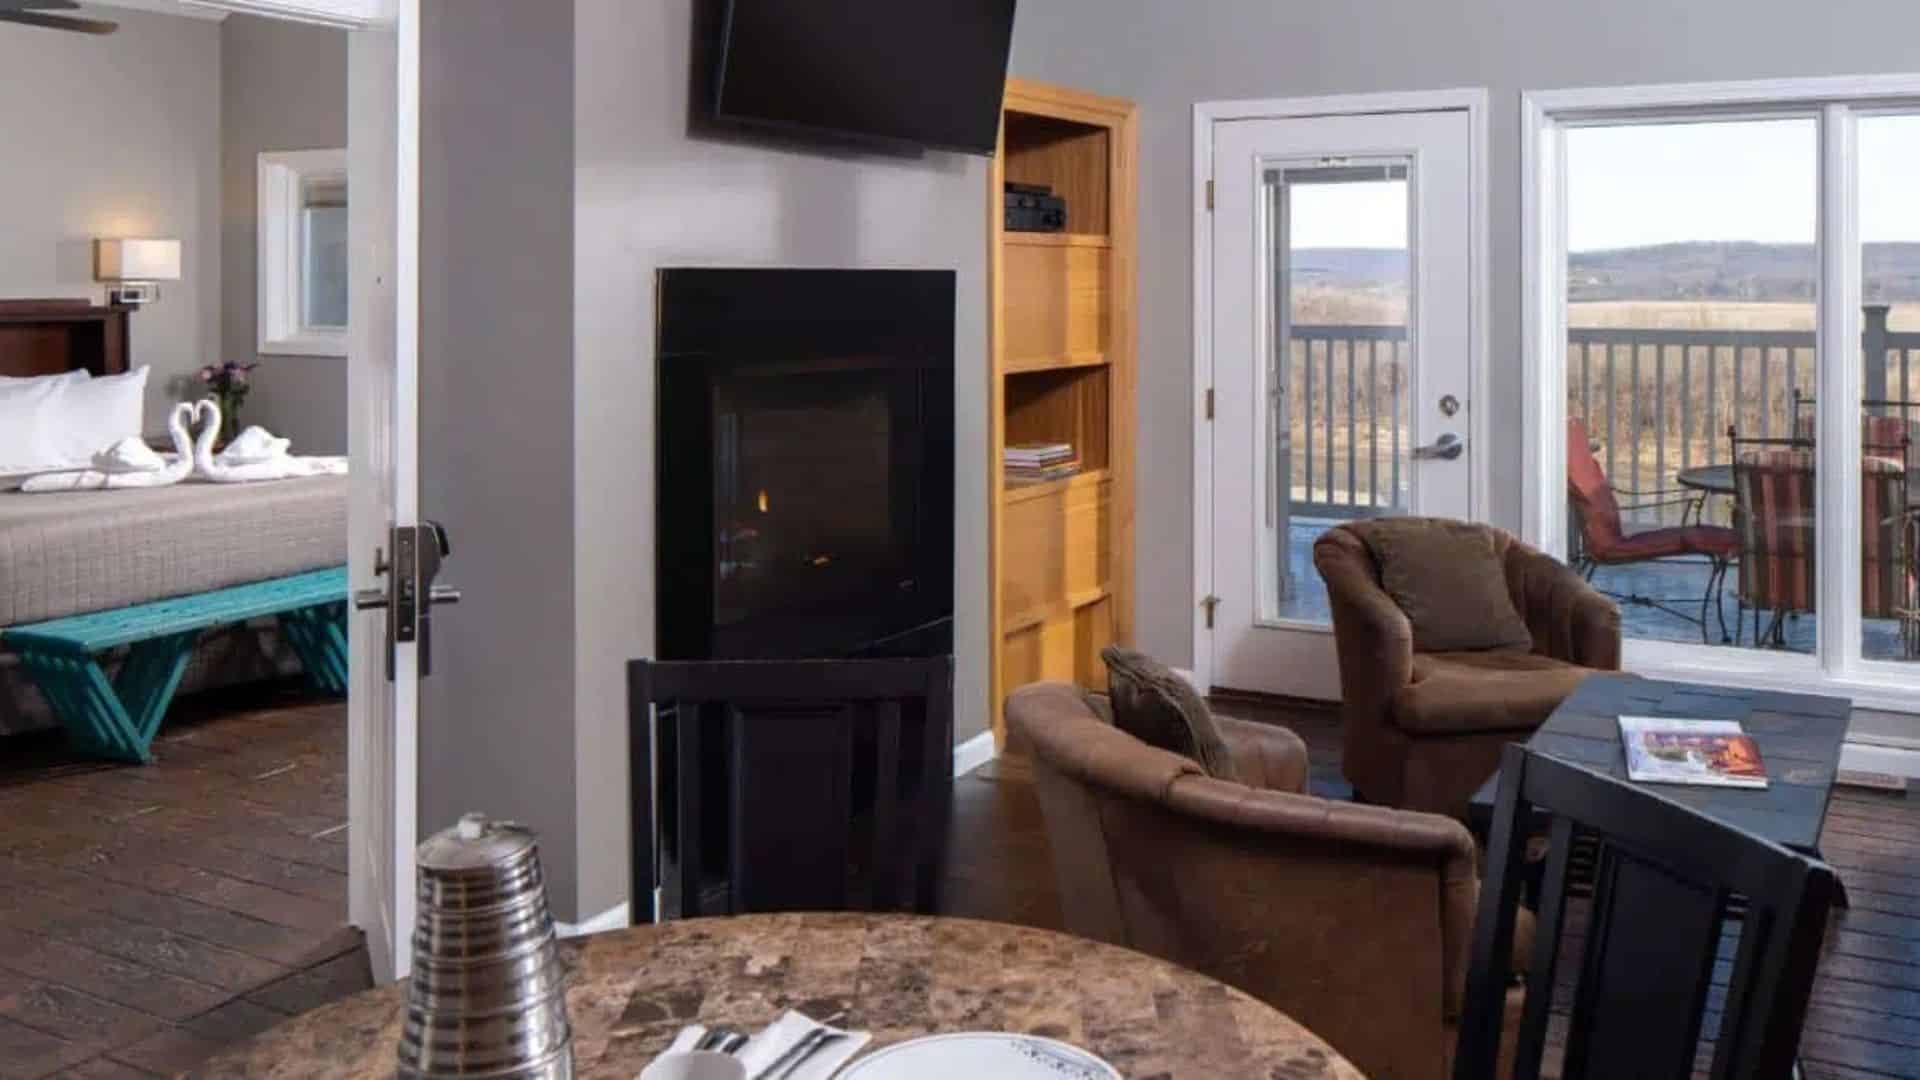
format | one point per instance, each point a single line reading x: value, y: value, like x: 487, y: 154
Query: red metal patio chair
x: 1604, y: 541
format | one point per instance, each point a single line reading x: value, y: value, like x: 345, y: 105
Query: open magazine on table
x: 1708, y: 753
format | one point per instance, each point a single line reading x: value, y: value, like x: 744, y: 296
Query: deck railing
x: 1657, y: 401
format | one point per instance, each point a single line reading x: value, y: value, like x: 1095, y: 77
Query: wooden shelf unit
x: 1062, y: 339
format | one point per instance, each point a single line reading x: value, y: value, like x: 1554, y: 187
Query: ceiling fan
x: 35, y: 13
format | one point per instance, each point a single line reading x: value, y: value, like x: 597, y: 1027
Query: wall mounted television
x: 920, y: 72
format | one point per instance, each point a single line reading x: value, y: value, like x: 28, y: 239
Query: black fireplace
x: 805, y: 463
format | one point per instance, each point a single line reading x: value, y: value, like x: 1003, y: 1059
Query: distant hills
x: 1689, y: 271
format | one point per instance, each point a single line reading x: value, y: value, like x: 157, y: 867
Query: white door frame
x: 382, y: 769
x: 1545, y: 115
x: 1474, y: 102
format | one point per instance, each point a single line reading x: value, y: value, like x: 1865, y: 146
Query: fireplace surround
x: 805, y: 463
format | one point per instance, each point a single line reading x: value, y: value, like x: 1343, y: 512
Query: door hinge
x: 1209, y: 402
x: 1209, y: 602
x: 1209, y: 195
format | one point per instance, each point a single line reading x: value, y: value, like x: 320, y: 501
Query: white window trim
x: 1474, y: 101
x: 1545, y: 115
x: 279, y: 328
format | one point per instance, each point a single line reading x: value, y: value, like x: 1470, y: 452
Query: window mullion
x: 1839, y: 362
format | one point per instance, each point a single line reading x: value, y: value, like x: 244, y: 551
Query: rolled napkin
x: 253, y: 446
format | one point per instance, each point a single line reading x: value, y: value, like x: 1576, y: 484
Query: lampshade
x: 136, y: 260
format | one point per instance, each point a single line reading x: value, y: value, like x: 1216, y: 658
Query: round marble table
x: 898, y: 976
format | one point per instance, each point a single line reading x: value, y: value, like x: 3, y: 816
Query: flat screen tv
x: 920, y: 72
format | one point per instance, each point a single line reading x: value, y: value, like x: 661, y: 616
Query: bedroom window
x: 303, y: 253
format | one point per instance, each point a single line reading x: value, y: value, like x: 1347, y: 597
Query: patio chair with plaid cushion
x: 1604, y: 541
x: 1774, y: 515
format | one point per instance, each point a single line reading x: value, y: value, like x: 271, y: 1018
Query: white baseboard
x: 973, y: 753
x: 1890, y: 760
x: 614, y: 918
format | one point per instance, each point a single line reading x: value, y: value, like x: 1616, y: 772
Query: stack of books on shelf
x: 1035, y: 463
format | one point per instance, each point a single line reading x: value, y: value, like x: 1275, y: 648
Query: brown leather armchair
x: 1354, y: 920
x: 1425, y: 730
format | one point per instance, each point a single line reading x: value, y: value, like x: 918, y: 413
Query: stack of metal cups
x: 487, y: 996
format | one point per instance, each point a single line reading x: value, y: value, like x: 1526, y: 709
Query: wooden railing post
x: 1873, y: 340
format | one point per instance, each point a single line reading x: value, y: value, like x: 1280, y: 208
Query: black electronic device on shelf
x: 1034, y: 208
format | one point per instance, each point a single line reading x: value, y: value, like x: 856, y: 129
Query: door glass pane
x: 1691, y: 276
x: 1339, y: 362
x: 323, y: 254
x: 1889, y: 159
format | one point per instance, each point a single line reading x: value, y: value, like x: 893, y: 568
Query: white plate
x: 975, y: 1054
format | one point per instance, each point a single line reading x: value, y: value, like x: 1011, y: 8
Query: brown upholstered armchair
x: 1354, y: 920
x: 1425, y: 730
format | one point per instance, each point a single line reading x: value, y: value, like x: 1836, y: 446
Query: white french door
x: 1343, y: 338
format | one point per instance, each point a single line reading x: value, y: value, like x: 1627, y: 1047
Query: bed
x: 71, y: 553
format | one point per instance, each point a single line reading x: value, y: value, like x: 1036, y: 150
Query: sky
x: 1632, y: 185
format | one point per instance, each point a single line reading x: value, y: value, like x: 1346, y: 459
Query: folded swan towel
x: 128, y: 463
x: 256, y: 455
x: 253, y: 446
x: 271, y: 466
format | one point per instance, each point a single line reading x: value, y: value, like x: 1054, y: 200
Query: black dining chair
x: 802, y: 785
x: 1669, y: 884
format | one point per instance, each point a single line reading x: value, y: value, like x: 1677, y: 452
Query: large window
x: 1724, y: 327
x: 1691, y: 270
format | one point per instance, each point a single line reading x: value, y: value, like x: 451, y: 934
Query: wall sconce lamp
x: 131, y: 268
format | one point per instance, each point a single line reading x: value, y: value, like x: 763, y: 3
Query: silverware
x: 826, y: 1039
x: 722, y: 1039
x: 797, y: 1055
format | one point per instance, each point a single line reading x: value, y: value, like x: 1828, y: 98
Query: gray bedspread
x: 89, y: 550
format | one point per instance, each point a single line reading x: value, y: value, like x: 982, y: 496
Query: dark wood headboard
x: 47, y: 337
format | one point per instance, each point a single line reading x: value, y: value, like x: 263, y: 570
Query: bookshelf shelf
x: 1062, y: 328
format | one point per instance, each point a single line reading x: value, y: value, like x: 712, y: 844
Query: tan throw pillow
x: 1447, y: 578
x: 1158, y: 707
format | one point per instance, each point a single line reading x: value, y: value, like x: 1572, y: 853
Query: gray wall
x: 116, y: 136
x: 650, y: 195
x: 497, y: 716
x: 283, y: 86
x: 1168, y: 56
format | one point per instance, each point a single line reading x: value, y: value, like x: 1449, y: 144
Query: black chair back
x: 803, y: 785
x: 1666, y: 881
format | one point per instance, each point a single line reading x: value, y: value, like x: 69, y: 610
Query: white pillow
x: 90, y: 415
x: 26, y: 414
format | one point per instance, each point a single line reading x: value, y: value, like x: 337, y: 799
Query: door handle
x: 1446, y: 448
x: 409, y: 595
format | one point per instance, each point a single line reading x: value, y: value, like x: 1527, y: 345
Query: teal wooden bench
x: 118, y: 717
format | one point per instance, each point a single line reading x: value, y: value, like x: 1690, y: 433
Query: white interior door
x: 1342, y: 337
x: 384, y: 179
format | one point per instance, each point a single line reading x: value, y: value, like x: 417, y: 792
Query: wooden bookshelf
x: 1062, y: 339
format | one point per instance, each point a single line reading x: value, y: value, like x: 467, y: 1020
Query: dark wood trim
x: 49, y: 336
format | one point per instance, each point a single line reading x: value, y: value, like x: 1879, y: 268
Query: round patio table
x: 1716, y: 479
x: 898, y: 976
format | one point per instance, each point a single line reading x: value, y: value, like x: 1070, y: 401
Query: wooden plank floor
x: 150, y: 915
x: 1865, y: 1020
